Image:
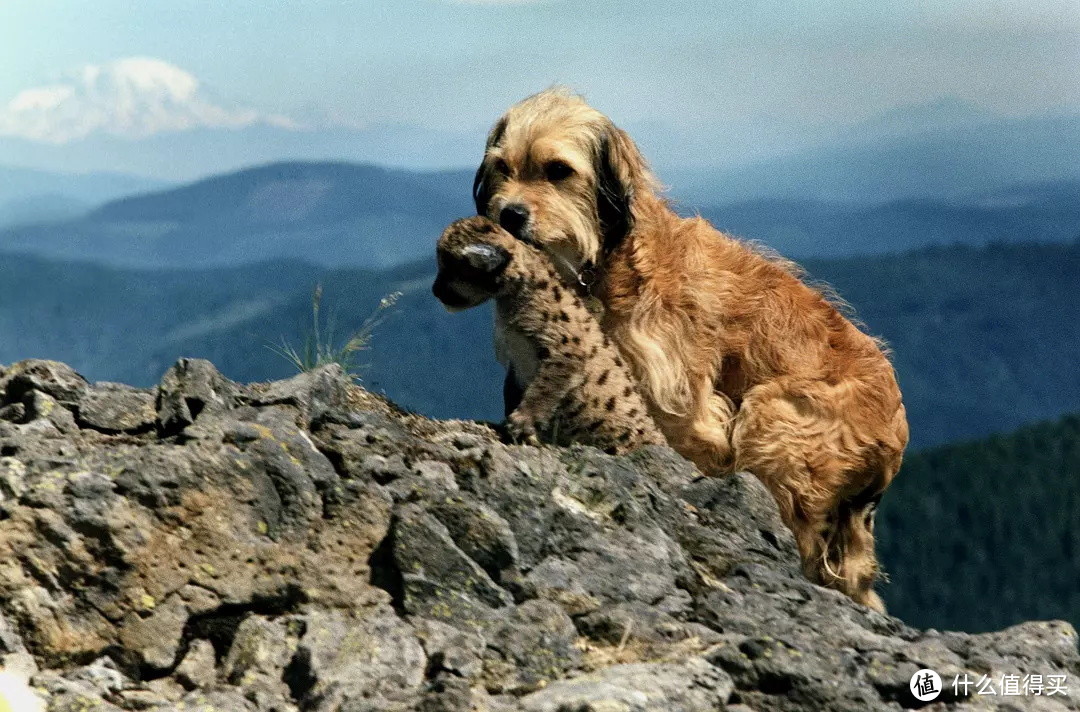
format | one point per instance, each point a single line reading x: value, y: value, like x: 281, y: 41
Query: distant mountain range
x: 1040, y: 212
x: 183, y: 156
x: 985, y: 339
x: 356, y: 215
x: 130, y: 325
x: 333, y: 214
x: 898, y: 160
x: 909, y: 154
x: 942, y: 172
x: 32, y: 196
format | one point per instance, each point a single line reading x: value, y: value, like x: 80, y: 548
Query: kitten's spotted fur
x: 576, y: 387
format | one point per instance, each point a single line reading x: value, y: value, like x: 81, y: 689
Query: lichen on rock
x: 305, y: 545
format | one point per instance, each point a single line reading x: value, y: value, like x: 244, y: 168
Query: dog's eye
x: 502, y: 167
x: 557, y: 170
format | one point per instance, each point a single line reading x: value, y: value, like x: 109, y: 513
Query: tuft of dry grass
x: 320, y: 346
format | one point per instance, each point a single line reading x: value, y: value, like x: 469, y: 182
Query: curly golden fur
x: 743, y: 365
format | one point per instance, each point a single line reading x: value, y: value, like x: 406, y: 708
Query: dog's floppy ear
x: 616, y: 163
x: 481, y: 188
x: 481, y: 191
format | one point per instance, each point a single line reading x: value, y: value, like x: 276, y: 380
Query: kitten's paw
x: 522, y: 428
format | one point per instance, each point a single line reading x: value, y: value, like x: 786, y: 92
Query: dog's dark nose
x: 513, y: 217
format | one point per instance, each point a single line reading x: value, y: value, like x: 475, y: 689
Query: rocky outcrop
x: 305, y: 545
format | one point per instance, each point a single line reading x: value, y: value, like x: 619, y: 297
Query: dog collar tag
x: 594, y: 305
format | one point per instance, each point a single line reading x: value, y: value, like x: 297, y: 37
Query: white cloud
x: 134, y: 97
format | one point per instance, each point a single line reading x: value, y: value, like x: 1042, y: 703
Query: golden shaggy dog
x: 743, y: 365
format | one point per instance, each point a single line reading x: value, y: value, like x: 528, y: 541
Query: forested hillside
x: 984, y: 534
x: 984, y: 340
x: 130, y: 325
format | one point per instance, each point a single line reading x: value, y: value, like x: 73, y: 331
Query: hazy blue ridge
x: 359, y: 215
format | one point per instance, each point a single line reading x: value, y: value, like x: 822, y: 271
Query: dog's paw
x: 522, y: 428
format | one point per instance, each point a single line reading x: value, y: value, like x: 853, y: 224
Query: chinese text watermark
x: 926, y: 685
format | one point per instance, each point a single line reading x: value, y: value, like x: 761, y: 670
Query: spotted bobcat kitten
x: 574, y: 385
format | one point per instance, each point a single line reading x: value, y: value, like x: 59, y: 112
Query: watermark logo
x: 925, y: 685
x: 1006, y: 685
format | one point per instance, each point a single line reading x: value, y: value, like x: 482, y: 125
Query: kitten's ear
x: 486, y: 259
x: 482, y: 180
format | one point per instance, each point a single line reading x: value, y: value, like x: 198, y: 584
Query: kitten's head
x: 473, y: 255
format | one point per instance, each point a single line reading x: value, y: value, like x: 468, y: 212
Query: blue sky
x: 444, y: 64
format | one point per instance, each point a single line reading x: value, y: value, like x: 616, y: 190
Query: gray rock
x: 69, y: 694
x: 42, y: 406
x: 189, y: 388
x: 13, y: 413
x: 103, y: 676
x: 196, y: 670
x: 116, y: 408
x: 531, y: 646
x: 449, y: 650
x: 154, y: 636
x: 479, y: 532
x: 629, y: 624
x: 691, y: 686
x: 10, y: 641
x: 317, y: 394
x: 214, y: 701
x: 52, y: 378
x: 21, y: 664
x: 305, y: 546
x: 259, y: 647
x: 342, y: 659
x: 292, y: 469
x: 440, y: 580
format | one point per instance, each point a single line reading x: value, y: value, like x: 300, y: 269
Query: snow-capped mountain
x: 145, y: 116
x: 134, y: 97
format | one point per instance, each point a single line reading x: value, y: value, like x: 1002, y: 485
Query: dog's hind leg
x: 851, y: 553
x: 797, y: 438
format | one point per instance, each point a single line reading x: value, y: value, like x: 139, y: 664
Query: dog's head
x: 561, y: 175
x: 473, y: 256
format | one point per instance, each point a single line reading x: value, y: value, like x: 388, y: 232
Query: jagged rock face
x: 305, y: 546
